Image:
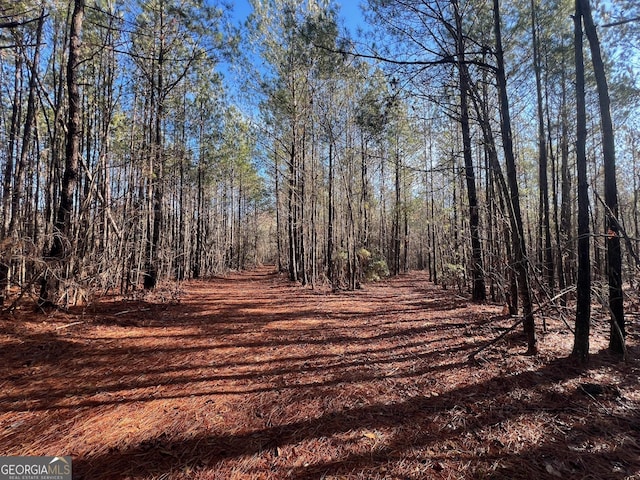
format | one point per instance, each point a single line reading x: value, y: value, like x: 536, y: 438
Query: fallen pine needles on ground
x: 252, y: 377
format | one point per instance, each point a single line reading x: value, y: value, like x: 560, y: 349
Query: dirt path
x: 252, y: 377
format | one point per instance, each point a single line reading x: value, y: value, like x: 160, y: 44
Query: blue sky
x: 350, y: 12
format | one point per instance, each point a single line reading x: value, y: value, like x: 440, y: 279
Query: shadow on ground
x: 252, y: 377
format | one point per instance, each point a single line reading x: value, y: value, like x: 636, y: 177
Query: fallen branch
x: 472, y: 357
x: 520, y: 320
x: 69, y: 325
x: 622, y: 230
x: 124, y: 312
x: 23, y: 290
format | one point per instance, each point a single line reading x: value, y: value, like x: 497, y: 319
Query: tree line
x: 482, y: 141
x: 123, y: 161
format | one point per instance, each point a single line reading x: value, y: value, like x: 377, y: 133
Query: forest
x: 165, y: 162
x: 129, y: 158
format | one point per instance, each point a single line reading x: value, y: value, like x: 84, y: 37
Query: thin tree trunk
x: 29, y: 123
x: 330, y: 218
x: 545, y: 229
x: 291, y: 219
x: 7, y: 190
x: 481, y: 107
x: 405, y: 253
x: 396, y: 213
x: 278, y: 219
x: 364, y: 201
x: 197, y: 261
x: 565, y: 274
x: 153, y: 260
x: 636, y: 200
x: 433, y: 253
x: 479, y: 293
x: 302, y: 204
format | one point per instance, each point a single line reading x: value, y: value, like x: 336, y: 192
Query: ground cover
x: 250, y: 376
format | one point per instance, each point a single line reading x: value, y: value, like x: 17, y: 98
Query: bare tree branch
x: 621, y: 22
x: 445, y: 60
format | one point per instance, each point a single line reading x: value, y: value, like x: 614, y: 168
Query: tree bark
x: 545, y: 228
x: 21, y: 167
x: 330, y: 219
x: 614, y: 254
x: 7, y: 184
x: 153, y: 259
x: 396, y: 210
x: 519, y: 242
x: 63, y: 219
x: 565, y: 275
x: 16, y: 107
x: 291, y: 217
x: 479, y: 293
x: 481, y: 108
x: 583, y: 286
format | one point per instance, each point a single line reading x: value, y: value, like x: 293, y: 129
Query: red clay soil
x: 252, y: 377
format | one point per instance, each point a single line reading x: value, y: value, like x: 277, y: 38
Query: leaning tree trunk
x: 519, y: 242
x: 63, y: 219
x: 614, y: 255
x: 21, y: 167
x: 7, y: 183
x: 481, y: 107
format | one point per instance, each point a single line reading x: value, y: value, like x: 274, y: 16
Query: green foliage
x: 372, y: 106
x: 374, y: 267
x: 454, y: 273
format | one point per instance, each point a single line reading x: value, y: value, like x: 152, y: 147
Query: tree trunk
x: 278, y: 216
x: 565, y: 275
x: 197, y: 255
x: 153, y: 258
x: 636, y: 200
x: 21, y: 167
x: 63, y: 219
x: 614, y: 254
x: 7, y: 184
x: 583, y: 286
x: 364, y: 201
x: 330, y: 217
x: 304, y: 278
x: 519, y: 242
x: 479, y: 293
x: 7, y: 189
x: 482, y: 111
x: 291, y: 218
x: 396, y: 211
x: 545, y: 229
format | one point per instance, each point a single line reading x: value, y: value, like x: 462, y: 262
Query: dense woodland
x: 493, y: 144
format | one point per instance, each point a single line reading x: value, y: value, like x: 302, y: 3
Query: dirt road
x: 250, y: 376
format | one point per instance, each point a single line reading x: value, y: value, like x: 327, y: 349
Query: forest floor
x: 252, y: 377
